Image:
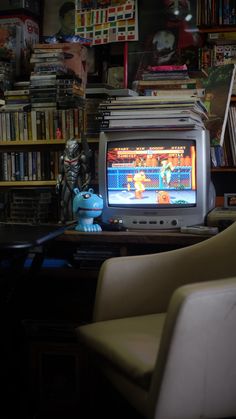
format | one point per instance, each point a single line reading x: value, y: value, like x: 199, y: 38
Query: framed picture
x: 59, y: 18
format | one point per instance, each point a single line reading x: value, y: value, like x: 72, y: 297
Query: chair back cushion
x: 195, y: 374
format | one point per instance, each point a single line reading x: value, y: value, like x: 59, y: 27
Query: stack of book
x: 17, y: 97
x: 52, y: 82
x: 6, y: 75
x: 43, y: 89
x: 169, y: 79
x: 95, y: 94
x: 166, y: 72
x: 150, y: 112
x: 62, y: 58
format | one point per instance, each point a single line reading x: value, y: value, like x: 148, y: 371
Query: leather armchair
x: 164, y: 329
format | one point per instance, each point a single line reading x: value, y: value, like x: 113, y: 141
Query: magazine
x: 218, y: 90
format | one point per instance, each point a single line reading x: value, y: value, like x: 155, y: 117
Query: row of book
x: 29, y: 165
x: 225, y: 155
x: 41, y: 124
x: 219, y: 54
x: 216, y: 12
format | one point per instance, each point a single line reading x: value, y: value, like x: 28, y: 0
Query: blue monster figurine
x: 87, y: 206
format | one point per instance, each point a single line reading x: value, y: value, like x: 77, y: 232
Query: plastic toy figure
x: 75, y: 173
x: 87, y: 206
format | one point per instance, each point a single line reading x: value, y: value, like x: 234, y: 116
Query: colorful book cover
x: 10, y: 44
x: 218, y: 87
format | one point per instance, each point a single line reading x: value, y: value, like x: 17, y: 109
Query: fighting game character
x: 163, y: 197
x: 74, y: 173
x: 87, y: 206
x: 139, y: 180
x: 166, y: 172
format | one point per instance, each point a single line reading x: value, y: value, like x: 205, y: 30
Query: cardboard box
x: 32, y: 6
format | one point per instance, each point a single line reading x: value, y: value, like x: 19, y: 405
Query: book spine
x: 8, y: 126
x: 34, y: 165
x: 47, y: 132
x: 21, y: 125
x: 26, y: 165
x: 38, y: 125
x: 21, y: 161
x: 17, y: 166
x: 43, y: 127
x: 16, y: 122
x: 39, y: 170
x: 29, y: 126
x: 13, y: 165
x: 5, y: 166
x: 12, y: 126
x: 25, y: 128
x: 30, y: 166
x: 4, y: 128
x: 33, y: 125
x: 9, y: 166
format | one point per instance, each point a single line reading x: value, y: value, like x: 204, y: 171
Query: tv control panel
x: 142, y: 222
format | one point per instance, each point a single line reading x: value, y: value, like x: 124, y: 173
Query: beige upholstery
x: 164, y: 329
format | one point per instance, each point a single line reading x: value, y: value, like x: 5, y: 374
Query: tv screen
x: 157, y: 173
x: 155, y: 179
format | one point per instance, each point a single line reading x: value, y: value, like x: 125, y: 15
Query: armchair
x: 164, y: 329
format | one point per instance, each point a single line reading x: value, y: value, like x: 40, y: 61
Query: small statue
x: 74, y: 173
x: 87, y: 206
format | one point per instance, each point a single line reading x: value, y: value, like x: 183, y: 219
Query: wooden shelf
x: 223, y: 169
x: 26, y: 143
x: 93, y: 139
x: 27, y: 183
x: 211, y: 29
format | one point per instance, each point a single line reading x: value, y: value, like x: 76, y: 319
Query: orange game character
x: 163, y: 197
x: 139, y: 180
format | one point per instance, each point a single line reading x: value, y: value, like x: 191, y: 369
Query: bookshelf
x: 30, y: 170
x: 31, y: 198
x: 216, y: 31
x: 21, y: 146
x: 221, y: 175
x: 44, y: 107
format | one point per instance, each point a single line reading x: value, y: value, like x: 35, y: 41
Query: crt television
x: 155, y: 179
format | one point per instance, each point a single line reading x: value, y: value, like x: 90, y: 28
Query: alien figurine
x: 74, y: 173
x: 87, y: 206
